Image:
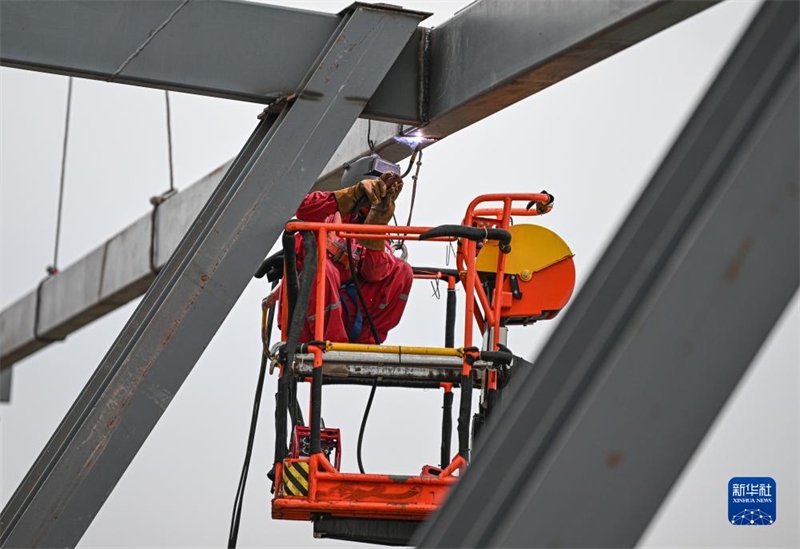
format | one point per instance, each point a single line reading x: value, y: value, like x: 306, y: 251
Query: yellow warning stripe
x: 295, y: 478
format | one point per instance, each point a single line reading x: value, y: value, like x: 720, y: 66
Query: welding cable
x: 233, y: 534
x: 414, y: 179
x: 364, y: 424
x: 361, y: 300
x: 410, y: 163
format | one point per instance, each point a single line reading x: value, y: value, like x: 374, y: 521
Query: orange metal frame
x: 390, y: 496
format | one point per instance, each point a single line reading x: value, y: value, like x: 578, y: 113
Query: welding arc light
x: 413, y: 141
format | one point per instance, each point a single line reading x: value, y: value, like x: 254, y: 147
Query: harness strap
x: 349, y: 290
x: 337, y: 251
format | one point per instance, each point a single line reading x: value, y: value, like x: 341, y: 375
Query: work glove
x: 373, y: 189
x: 381, y: 212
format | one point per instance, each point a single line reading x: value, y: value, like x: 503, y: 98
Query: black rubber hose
x: 497, y: 357
x: 280, y: 422
x: 236, y: 516
x: 470, y: 233
x: 450, y: 319
x: 447, y: 427
x: 290, y: 261
x: 361, y: 300
x: 434, y: 270
x: 316, y: 411
x: 296, y: 327
x: 272, y: 267
x: 465, y: 409
x: 364, y: 425
x: 298, y: 318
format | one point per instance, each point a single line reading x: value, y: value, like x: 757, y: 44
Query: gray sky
x: 600, y: 133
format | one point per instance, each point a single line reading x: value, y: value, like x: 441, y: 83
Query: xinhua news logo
x: 752, y: 501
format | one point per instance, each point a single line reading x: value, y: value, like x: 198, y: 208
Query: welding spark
x: 413, y: 141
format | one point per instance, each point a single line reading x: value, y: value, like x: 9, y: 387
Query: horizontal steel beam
x: 194, y: 292
x: 591, y: 441
x: 207, y: 48
x: 124, y: 266
x: 490, y: 55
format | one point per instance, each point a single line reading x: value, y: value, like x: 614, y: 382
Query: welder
x: 383, y: 279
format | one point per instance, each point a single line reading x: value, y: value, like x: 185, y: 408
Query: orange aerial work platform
x: 512, y: 274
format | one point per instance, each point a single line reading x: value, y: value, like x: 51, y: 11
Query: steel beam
x: 123, y: 267
x: 199, y: 285
x: 488, y: 56
x: 208, y: 48
x: 497, y: 52
x: 5, y: 384
x: 591, y: 440
x: 492, y: 54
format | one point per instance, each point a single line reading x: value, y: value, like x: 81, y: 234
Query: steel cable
x: 53, y: 269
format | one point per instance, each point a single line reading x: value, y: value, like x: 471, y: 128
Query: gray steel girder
x: 5, y: 384
x: 592, y: 439
x: 491, y: 54
x: 192, y: 295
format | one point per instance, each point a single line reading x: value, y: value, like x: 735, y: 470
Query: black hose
x: 236, y: 516
x: 298, y: 318
x: 465, y: 409
x: 471, y: 233
x: 450, y: 319
x: 290, y: 261
x: 434, y: 270
x: 447, y: 427
x: 316, y: 411
x: 272, y: 267
x: 364, y: 425
x: 362, y: 301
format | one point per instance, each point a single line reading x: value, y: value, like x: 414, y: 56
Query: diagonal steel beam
x: 594, y: 436
x: 490, y: 55
x: 192, y: 295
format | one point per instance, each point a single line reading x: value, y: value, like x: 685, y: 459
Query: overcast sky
x: 600, y: 133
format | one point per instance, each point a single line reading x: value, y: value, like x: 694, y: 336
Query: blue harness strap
x: 348, y: 289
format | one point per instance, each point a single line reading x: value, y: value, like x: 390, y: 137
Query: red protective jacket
x: 384, y: 280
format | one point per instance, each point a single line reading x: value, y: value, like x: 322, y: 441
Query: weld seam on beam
x: 139, y: 50
x: 423, y: 101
